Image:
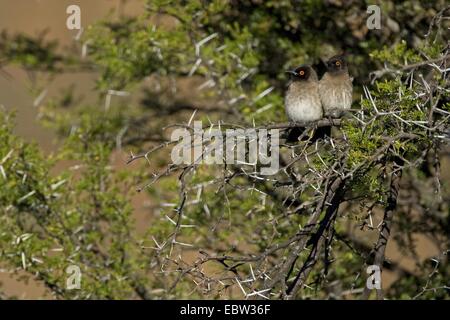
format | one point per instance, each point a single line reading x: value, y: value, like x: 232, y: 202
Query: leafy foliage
x: 217, y: 229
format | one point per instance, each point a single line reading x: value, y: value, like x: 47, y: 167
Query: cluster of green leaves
x: 131, y: 50
x: 50, y: 221
x: 29, y: 52
x: 396, y: 107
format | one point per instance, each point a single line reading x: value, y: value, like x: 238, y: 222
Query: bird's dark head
x: 337, y: 64
x: 303, y: 73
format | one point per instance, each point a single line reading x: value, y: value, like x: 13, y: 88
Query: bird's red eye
x: 302, y: 73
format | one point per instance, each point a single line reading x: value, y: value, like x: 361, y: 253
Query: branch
x: 304, y: 124
x: 385, y: 230
x: 317, y: 240
x: 379, y: 73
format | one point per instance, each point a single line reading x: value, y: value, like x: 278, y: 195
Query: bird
x: 302, y: 100
x: 336, y: 88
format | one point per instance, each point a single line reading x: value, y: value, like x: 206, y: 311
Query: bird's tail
x: 319, y: 133
x: 294, y: 134
x: 322, y: 133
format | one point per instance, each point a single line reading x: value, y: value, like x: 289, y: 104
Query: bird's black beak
x: 291, y: 72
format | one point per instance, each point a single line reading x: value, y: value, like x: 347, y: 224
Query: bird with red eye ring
x: 301, y: 73
x: 336, y: 88
x: 336, y: 64
x: 302, y: 101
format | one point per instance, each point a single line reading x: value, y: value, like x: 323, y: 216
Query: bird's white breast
x: 303, y: 104
x: 335, y: 92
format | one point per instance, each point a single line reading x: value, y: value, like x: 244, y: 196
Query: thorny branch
x: 309, y: 191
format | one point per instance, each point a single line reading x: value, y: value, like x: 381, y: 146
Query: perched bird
x: 302, y: 100
x: 335, y: 88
